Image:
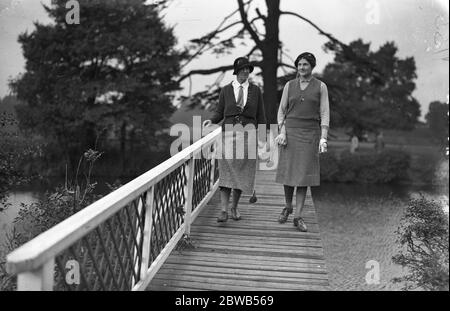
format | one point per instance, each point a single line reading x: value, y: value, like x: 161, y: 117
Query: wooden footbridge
x: 159, y: 232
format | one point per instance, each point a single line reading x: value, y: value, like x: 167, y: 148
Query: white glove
x: 323, y: 145
x: 281, y: 139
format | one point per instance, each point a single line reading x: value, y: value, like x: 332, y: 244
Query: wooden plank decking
x: 256, y: 253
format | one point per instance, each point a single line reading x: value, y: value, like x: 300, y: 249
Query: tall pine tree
x: 113, y: 71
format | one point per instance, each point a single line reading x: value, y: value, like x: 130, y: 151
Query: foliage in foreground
x: 51, y: 209
x: 14, y: 150
x: 424, y: 235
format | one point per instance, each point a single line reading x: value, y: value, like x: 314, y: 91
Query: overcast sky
x: 418, y: 27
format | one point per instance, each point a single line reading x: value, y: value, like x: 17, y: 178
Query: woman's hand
x: 323, y: 145
x: 281, y: 139
x: 207, y: 123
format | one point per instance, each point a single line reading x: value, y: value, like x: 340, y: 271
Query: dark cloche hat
x: 310, y: 58
x: 241, y: 62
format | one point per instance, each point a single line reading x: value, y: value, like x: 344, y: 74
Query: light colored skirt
x: 237, y: 161
x: 298, y: 161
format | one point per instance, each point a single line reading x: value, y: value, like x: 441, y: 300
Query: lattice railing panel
x: 168, y: 209
x: 109, y: 257
x: 202, y: 180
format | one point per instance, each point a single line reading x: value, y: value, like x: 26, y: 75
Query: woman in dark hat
x: 303, y: 118
x: 240, y: 103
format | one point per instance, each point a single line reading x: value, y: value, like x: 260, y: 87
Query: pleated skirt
x: 237, y: 159
x: 298, y: 161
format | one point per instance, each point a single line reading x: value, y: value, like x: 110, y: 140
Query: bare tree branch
x: 281, y: 64
x: 287, y: 55
x: 247, y: 25
x: 213, y: 70
x: 205, y: 71
x: 328, y: 35
x: 280, y: 58
x: 260, y: 15
x: 348, y: 51
x: 223, y: 41
x: 211, y: 46
x: 226, y: 68
x: 213, y: 33
x: 252, y: 50
x: 207, y: 39
x: 256, y: 30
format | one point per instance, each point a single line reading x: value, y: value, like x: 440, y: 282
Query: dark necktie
x: 240, y: 100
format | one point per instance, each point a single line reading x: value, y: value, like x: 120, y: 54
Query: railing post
x: 147, y: 231
x: 190, y: 187
x: 40, y: 279
x: 213, y: 165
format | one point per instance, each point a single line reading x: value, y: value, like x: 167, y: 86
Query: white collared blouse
x: 236, y: 86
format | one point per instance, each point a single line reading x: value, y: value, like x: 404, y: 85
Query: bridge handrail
x: 34, y: 261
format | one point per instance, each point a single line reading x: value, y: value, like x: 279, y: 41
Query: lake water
x: 31, y: 194
x: 357, y: 223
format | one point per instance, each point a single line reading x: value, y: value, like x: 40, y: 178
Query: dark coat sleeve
x: 260, y: 112
x: 219, y: 111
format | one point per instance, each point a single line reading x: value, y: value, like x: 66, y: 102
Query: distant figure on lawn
x: 379, y: 142
x: 354, y: 144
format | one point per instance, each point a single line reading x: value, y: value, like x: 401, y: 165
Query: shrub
x: 329, y: 166
x: 430, y: 168
x: 15, y: 150
x: 51, y: 209
x: 440, y: 176
x: 424, y: 234
x: 384, y: 167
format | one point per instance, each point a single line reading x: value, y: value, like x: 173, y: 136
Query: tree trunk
x: 270, y: 63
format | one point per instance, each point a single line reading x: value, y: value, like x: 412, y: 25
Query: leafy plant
x: 424, y: 235
x: 437, y: 119
x: 51, y: 209
x: 14, y: 150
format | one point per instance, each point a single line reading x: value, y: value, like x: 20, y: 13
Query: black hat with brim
x: 240, y: 63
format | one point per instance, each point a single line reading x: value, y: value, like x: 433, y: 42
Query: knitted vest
x: 303, y: 106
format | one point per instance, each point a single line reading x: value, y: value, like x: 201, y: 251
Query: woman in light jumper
x: 303, y: 118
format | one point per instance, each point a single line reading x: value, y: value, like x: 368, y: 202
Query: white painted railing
x: 120, y: 241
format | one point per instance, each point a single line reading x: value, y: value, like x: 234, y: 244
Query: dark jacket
x: 228, y: 110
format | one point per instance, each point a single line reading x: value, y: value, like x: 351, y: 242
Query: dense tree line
x: 110, y: 74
